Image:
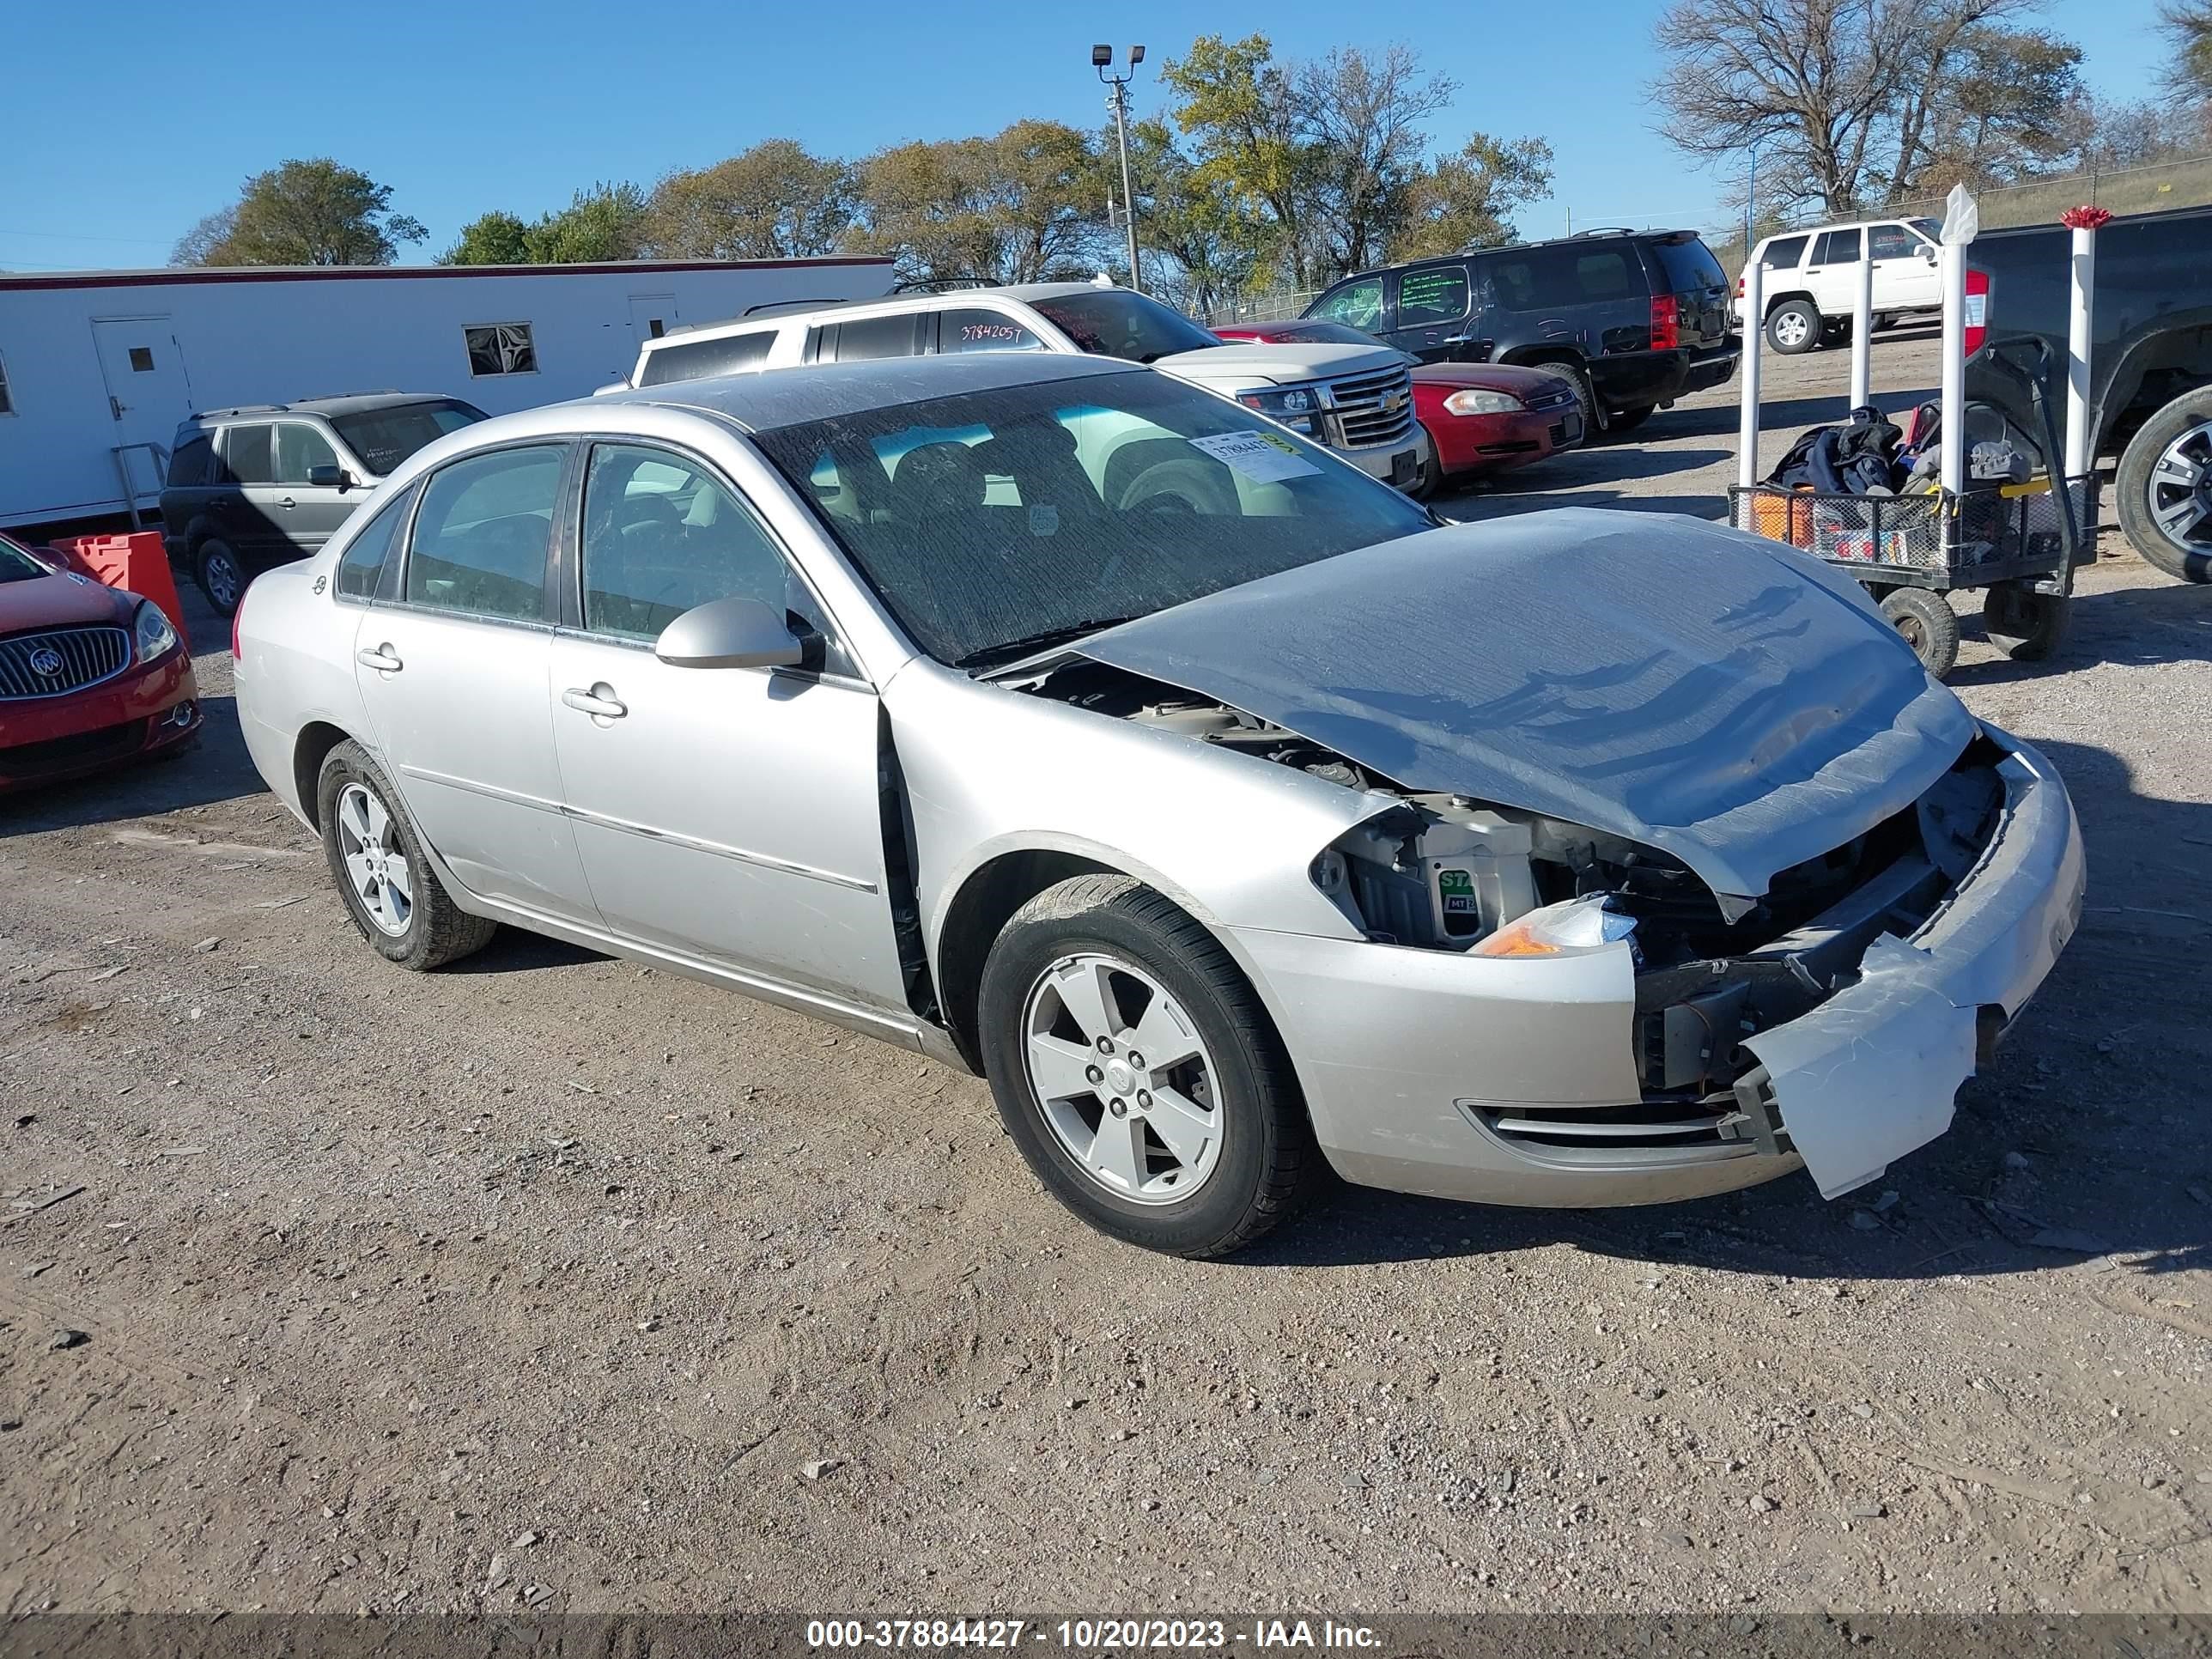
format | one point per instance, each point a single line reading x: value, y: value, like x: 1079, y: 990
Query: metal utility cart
x: 2018, y: 543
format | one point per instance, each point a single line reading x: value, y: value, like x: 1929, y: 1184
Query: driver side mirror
x: 329, y: 477
x: 732, y: 633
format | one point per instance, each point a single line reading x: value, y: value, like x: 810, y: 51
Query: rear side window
x: 1689, y: 265
x: 699, y: 359
x: 481, y: 536
x: 1783, y: 253
x: 366, y: 556
x: 1565, y: 274
x: 247, y: 457
x: 189, y: 462
x: 870, y: 338
x: 1837, y: 247
x: 1438, y: 295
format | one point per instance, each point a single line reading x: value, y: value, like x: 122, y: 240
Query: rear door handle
x: 383, y: 659
x: 598, y: 707
x: 286, y: 502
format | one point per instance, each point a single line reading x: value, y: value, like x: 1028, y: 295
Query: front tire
x: 2164, y: 487
x: 1135, y: 1068
x: 1795, y: 327
x: 220, y: 576
x: 390, y: 891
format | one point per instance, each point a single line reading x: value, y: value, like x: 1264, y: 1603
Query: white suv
x: 1811, y: 277
x: 1358, y: 400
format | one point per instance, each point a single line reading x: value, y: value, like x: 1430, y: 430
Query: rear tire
x: 376, y: 859
x: 220, y: 576
x: 1931, y: 627
x: 1227, y: 1124
x: 1795, y: 327
x: 1627, y: 420
x: 2026, y: 625
x: 2158, y: 497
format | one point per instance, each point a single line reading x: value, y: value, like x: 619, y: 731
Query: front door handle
x: 287, y: 502
x: 599, y: 702
x: 383, y: 659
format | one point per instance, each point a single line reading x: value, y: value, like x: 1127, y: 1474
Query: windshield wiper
x: 1008, y: 650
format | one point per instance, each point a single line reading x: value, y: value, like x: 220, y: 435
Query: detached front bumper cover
x: 1871, y: 1073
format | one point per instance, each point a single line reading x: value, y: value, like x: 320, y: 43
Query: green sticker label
x: 1456, y: 887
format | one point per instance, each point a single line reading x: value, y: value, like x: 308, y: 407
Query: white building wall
x: 256, y: 337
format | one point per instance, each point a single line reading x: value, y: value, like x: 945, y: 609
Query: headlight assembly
x: 153, y: 634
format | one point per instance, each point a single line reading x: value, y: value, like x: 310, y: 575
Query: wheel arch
x: 1775, y: 302
x: 309, y: 751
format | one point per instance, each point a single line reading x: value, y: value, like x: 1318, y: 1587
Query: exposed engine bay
x: 1448, y: 872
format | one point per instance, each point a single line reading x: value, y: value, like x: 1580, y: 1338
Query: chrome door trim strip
x: 512, y: 797
x: 764, y: 860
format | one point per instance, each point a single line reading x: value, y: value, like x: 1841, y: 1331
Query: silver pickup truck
x: 1358, y: 400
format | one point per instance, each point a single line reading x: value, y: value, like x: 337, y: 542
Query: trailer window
x: 500, y: 349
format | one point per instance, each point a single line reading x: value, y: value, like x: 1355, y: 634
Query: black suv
x: 1634, y: 319
x: 267, y: 484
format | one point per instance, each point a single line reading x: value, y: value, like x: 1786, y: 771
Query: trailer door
x: 147, y: 393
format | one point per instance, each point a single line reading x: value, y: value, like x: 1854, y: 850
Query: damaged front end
x: 1829, y: 1018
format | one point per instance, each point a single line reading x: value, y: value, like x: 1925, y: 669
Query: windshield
x: 1113, y: 322
x: 384, y: 437
x: 18, y: 566
x: 998, y: 521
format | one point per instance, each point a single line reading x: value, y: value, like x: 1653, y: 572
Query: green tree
x: 304, y: 213
x: 601, y: 225
x: 775, y: 201
x: 1199, y: 250
x: 2186, y: 26
x: 1241, y: 114
x: 1468, y: 199
x: 1022, y: 205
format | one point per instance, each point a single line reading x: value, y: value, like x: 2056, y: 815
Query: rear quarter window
x: 1784, y: 252
x: 1689, y: 265
x: 189, y: 464
x: 1566, y: 274
x: 699, y: 359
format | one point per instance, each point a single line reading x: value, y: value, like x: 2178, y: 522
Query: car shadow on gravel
x: 2082, y: 1144
x: 215, y: 769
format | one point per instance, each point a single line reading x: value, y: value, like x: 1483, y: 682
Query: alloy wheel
x: 2180, y: 488
x: 222, y: 580
x: 1123, y: 1079
x: 375, y: 863
x: 1790, y: 329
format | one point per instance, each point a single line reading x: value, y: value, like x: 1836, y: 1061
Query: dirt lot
x: 548, y: 1280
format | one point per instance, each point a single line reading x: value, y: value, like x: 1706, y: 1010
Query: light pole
x: 1102, y: 59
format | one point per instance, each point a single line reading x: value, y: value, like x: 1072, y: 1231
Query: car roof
x: 764, y: 399
x: 1581, y: 239
x: 783, y: 313
x: 352, y: 403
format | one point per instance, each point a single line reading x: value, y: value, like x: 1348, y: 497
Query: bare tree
x: 1841, y: 99
x: 1365, y: 136
x: 2187, y: 27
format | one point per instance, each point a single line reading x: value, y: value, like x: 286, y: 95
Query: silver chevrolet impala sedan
x: 1236, y: 819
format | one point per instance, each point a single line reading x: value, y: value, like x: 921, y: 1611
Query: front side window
x: 972, y: 330
x: 482, y: 534
x: 248, y: 455
x: 188, y: 464
x: 383, y: 438
x: 361, y: 569
x: 300, y: 447
x: 991, y: 523
x: 1434, y: 296
x: 662, y: 534
x: 1892, y: 242
x: 500, y: 349
x: 1114, y: 322
x: 1356, y: 305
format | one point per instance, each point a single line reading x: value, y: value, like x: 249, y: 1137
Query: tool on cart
x: 1947, y: 503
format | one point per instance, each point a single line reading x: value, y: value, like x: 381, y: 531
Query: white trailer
x: 98, y: 368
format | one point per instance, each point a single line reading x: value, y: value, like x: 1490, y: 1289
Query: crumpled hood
x: 1698, y: 689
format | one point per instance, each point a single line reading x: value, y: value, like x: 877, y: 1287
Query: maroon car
x: 90, y: 676
x: 1479, y: 417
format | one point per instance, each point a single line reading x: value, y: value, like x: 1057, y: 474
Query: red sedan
x: 1479, y: 417
x: 90, y: 676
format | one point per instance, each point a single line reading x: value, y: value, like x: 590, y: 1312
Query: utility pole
x: 1117, y: 100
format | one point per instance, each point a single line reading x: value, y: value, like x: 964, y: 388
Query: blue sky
x: 127, y: 121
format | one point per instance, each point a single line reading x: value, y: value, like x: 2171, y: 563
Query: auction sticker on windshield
x: 1259, y: 456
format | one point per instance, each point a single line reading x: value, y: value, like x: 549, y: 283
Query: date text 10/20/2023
x: 1089, y: 1635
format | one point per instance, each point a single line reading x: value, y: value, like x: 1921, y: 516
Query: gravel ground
x: 555, y: 1282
